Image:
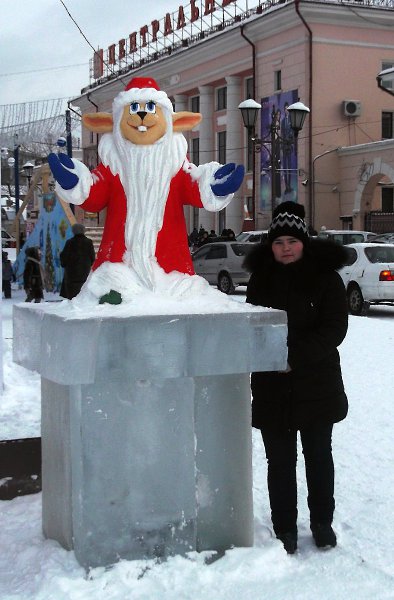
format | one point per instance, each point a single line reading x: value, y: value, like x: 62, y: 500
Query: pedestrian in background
x: 193, y: 238
x: 298, y: 275
x: 77, y: 258
x: 33, y: 275
x: 7, y: 275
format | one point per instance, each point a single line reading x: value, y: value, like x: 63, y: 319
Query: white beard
x: 145, y: 173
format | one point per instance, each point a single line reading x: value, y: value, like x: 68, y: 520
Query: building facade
x: 209, y: 56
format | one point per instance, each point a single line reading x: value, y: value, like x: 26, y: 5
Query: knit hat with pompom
x: 288, y: 219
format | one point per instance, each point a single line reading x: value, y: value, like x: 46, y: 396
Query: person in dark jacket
x: 7, y: 275
x: 76, y: 258
x: 33, y: 278
x: 296, y: 274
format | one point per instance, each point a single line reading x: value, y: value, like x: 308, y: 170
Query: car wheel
x: 225, y: 283
x: 355, y: 300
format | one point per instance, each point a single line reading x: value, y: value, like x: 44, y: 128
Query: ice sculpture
x: 144, y: 180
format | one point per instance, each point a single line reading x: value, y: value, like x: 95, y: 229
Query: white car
x: 7, y: 240
x: 384, y: 238
x: 347, y: 236
x: 252, y: 236
x: 368, y: 276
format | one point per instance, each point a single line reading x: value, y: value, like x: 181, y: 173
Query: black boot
x: 289, y: 541
x: 324, y: 535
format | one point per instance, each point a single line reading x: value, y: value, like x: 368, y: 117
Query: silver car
x: 220, y: 263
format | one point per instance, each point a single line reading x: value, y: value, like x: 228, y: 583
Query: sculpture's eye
x: 134, y: 108
x: 150, y: 107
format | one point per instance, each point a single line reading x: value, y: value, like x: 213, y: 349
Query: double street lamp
x: 274, y: 141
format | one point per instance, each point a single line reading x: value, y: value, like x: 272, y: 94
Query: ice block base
x: 146, y: 434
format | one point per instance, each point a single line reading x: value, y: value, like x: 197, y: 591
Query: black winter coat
x: 314, y: 298
x: 77, y: 258
x: 33, y: 275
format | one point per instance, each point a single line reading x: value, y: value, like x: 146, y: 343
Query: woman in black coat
x: 77, y: 258
x: 298, y: 275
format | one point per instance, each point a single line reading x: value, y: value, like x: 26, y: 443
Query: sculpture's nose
x: 141, y: 114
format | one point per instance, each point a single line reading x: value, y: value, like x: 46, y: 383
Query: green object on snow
x: 112, y: 297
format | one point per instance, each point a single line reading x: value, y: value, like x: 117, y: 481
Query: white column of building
x: 180, y: 102
x: 234, y: 151
x: 207, y: 142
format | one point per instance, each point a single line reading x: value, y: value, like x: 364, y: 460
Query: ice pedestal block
x: 146, y: 435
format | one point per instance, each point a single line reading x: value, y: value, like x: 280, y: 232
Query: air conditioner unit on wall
x: 351, y: 108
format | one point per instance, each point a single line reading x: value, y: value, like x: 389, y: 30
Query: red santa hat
x: 142, y: 89
x: 142, y: 82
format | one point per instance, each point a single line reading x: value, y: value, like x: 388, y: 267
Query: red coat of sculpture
x: 172, y: 250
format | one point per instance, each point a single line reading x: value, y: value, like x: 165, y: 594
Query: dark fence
x: 379, y: 222
x: 20, y: 467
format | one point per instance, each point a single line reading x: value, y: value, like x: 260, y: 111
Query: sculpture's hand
x: 229, y: 178
x: 61, y: 165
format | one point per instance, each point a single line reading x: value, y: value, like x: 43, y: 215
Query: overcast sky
x: 39, y: 40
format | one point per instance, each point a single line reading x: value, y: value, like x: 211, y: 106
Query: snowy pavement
x: 361, y: 567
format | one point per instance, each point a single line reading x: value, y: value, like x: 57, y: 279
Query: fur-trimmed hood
x: 319, y: 256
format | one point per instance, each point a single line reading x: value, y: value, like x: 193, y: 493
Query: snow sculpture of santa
x: 144, y: 180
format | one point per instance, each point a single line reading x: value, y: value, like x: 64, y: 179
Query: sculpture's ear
x: 98, y: 122
x: 185, y: 121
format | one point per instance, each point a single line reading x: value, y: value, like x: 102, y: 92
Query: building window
x: 387, y: 65
x: 221, y: 98
x: 387, y: 125
x: 91, y: 137
x: 249, y: 91
x: 196, y: 151
x: 387, y: 199
x: 222, y: 147
x: 277, y: 80
x: 195, y: 104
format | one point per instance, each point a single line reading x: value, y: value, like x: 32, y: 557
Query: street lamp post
x: 28, y: 172
x: 250, y: 110
x: 16, y: 172
x: 4, y: 154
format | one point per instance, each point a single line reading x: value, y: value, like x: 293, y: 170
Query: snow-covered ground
x: 360, y: 568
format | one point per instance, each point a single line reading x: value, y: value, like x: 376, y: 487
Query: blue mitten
x: 231, y: 175
x: 60, y: 165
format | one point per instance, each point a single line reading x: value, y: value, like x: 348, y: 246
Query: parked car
x: 346, y: 236
x: 7, y: 240
x: 368, y: 276
x: 220, y: 263
x: 252, y: 236
x: 384, y: 238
